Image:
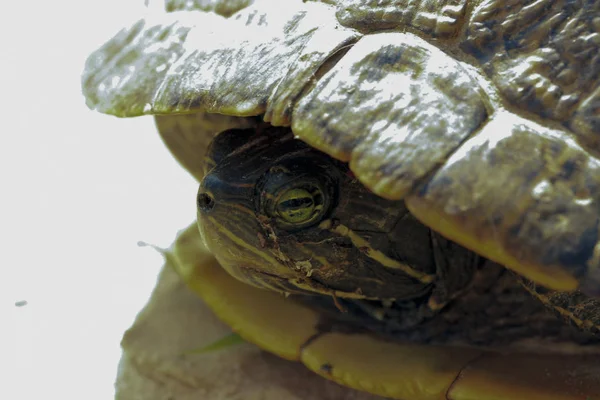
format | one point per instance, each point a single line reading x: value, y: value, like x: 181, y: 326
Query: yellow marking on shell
x: 390, y: 369
x: 581, y: 324
x: 376, y: 255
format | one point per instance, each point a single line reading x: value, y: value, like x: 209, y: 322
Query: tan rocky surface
x: 154, y: 365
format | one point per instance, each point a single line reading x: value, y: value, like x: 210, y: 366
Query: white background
x: 78, y: 190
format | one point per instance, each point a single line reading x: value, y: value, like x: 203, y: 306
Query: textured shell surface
x: 483, y: 115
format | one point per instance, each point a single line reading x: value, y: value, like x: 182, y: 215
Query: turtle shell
x: 483, y: 116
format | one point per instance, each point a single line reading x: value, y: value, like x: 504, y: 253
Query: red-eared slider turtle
x: 422, y: 178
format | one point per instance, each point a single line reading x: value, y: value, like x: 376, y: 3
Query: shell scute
x: 257, y: 61
x: 394, y: 107
x: 544, y: 57
x: 523, y: 195
x: 436, y: 18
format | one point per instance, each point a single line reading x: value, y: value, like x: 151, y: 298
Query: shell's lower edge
x: 551, y: 276
x: 395, y: 370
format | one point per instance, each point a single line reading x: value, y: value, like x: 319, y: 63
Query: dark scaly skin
x: 495, y: 311
x: 425, y: 102
x: 341, y: 253
x: 447, y: 294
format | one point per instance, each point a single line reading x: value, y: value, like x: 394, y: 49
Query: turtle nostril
x: 205, y: 202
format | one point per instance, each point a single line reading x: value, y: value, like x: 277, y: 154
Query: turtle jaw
x: 249, y: 260
x: 347, y: 251
x: 248, y: 243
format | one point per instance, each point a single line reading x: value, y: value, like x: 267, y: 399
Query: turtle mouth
x: 251, y: 262
x: 251, y: 275
x: 244, y: 259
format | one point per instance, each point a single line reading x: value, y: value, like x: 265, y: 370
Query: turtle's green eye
x: 296, y: 195
x: 300, y: 205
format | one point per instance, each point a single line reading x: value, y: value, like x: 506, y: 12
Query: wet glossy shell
x: 484, y: 116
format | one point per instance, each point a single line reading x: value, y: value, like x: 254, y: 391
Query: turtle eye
x: 300, y: 205
x: 297, y: 195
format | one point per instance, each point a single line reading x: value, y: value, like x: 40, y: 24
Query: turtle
x: 404, y: 196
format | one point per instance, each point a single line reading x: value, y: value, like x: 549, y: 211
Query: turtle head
x: 281, y: 215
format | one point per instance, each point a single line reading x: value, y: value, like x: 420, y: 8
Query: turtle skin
x: 481, y: 117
